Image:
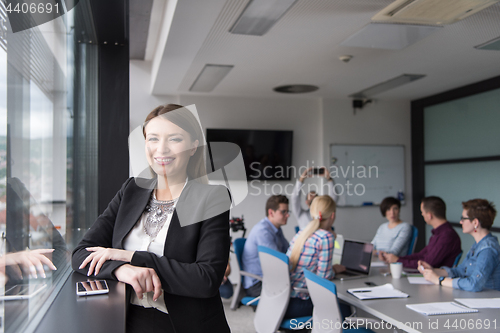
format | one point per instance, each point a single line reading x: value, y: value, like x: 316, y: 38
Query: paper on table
x: 480, y: 302
x: 418, y: 280
x: 385, y: 291
x: 439, y: 308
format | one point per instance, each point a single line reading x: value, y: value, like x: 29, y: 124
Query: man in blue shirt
x: 266, y: 233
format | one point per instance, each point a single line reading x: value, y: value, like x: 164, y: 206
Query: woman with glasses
x: 481, y: 267
x: 165, y: 233
x: 312, y: 249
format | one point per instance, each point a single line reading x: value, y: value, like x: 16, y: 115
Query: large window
x: 460, y: 159
x: 48, y: 156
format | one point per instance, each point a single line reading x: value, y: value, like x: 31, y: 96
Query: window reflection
x: 48, y: 159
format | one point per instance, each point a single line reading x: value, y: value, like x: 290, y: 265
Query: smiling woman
x: 166, y: 237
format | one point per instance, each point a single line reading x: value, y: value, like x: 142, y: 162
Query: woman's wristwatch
x: 441, y: 278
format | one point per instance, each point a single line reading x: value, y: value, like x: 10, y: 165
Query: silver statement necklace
x: 157, y: 213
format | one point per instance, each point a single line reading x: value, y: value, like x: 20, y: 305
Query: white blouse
x: 138, y: 240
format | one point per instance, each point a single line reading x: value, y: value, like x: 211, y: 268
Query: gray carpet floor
x: 241, y: 320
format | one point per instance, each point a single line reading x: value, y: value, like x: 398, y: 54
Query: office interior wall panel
x: 463, y: 128
x: 456, y: 183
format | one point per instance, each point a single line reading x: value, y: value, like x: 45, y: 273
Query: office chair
x: 413, y: 241
x: 457, y: 259
x: 239, y: 292
x: 275, y: 294
x: 323, y: 294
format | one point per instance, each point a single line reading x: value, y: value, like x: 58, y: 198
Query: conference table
x: 393, y: 312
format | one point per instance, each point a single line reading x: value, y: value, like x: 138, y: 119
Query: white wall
x: 315, y: 124
x: 301, y: 115
x: 141, y: 100
x: 384, y: 123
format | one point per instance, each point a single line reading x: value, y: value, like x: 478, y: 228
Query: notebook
x: 356, y: 258
x: 480, y: 302
x: 385, y: 291
x: 440, y: 308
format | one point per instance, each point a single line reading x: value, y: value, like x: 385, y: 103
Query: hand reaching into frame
x: 100, y: 255
x: 142, y: 279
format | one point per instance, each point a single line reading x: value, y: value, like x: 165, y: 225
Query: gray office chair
x: 323, y: 294
x: 275, y: 294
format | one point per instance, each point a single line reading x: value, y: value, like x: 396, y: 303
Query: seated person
x: 265, y: 233
x: 226, y: 288
x: 393, y: 236
x: 481, y: 267
x: 303, y: 216
x: 312, y: 248
x: 444, y: 244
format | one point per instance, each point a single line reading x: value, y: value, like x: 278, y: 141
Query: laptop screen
x: 357, y: 256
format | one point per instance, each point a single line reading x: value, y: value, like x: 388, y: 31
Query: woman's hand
x: 99, y: 256
x: 142, y: 279
x: 306, y: 174
x: 430, y: 275
x: 30, y: 261
x: 389, y: 257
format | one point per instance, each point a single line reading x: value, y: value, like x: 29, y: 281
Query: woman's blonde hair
x: 321, y: 208
x: 183, y: 118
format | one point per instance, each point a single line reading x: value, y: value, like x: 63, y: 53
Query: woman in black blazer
x: 167, y: 237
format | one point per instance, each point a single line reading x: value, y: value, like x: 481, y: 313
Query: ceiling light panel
x: 210, y: 77
x: 387, y: 85
x: 260, y: 15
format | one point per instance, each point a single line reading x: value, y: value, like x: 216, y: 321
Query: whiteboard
x: 365, y: 174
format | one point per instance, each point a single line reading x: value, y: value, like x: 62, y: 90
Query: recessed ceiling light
x: 260, y: 15
x: 386, y: 85
x: 296, y: 88
x: 493, y: 44
x: 209, y: 77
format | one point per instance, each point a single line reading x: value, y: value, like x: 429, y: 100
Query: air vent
x: 430, y: 12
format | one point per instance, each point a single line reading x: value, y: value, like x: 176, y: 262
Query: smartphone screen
x: 96, y: 287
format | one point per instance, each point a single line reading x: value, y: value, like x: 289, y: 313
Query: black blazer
x: 195, y: 254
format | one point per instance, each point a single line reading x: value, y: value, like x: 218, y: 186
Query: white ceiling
x: 304, y: 46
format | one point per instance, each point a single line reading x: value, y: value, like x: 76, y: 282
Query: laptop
x: 356, y: 258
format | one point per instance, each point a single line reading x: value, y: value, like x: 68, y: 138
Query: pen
x: 362, y: 291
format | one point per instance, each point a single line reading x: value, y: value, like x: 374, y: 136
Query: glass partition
x: 463, y: 128
x: 48, y: 158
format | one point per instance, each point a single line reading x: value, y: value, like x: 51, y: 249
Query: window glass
x: 463, y: 128
x: 48, y: 158
x: 456, y: 183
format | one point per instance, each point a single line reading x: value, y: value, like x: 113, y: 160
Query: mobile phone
x: 318, y: 171
x: 96, y: 287
x: 22, y: 291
